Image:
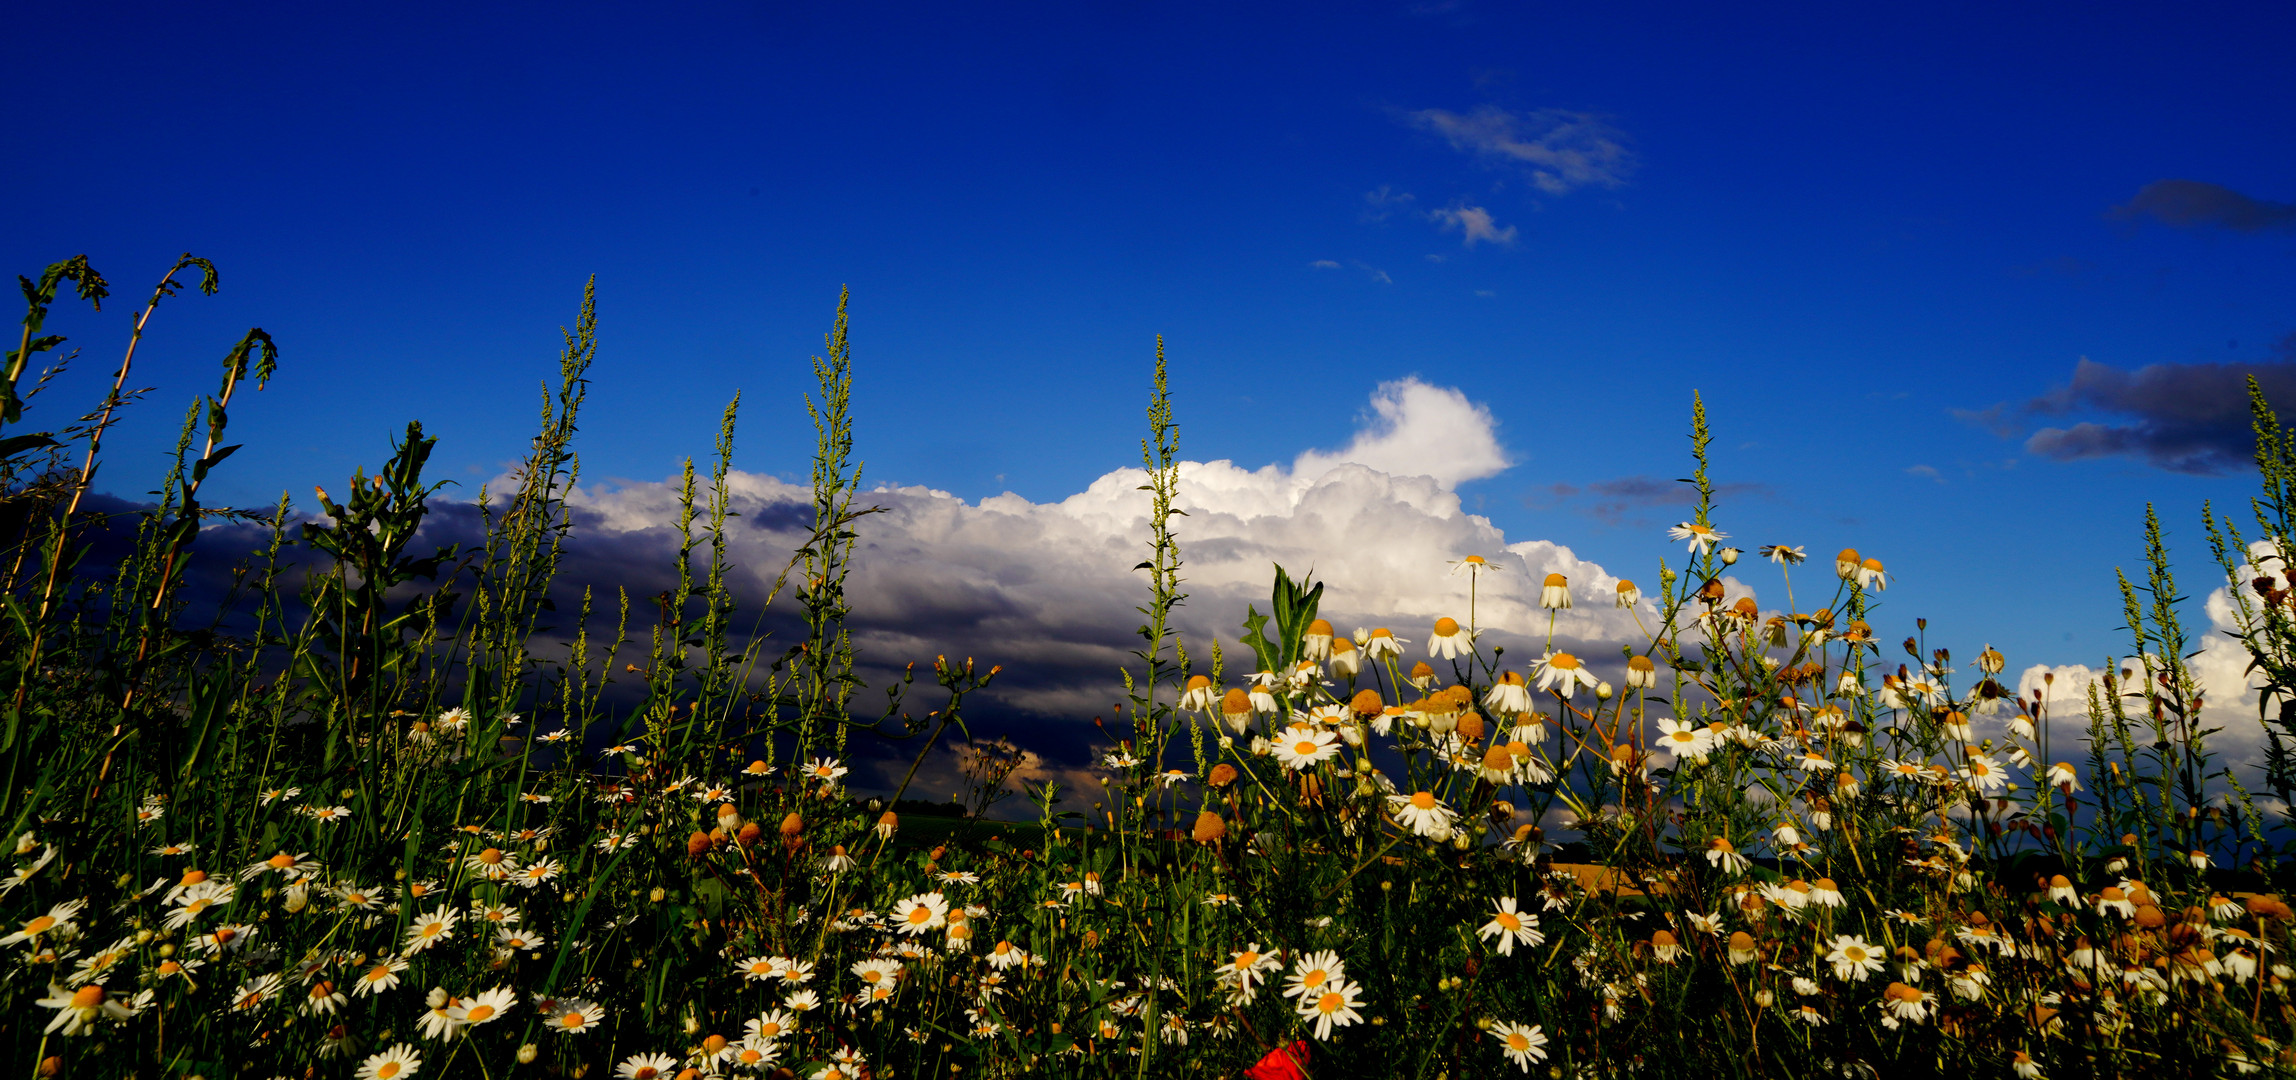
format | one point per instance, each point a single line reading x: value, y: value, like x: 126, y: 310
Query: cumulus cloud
x: 1415, y: 428
x: 2193, y: 204
x: 1559, y: 149
x: 1475, y: 223
x: 2221, y: 665
x: 2187, y: 418
x: 1047, y: 589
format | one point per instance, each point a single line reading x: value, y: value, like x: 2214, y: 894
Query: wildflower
x: 77, y: 1010
x: 571, y: 1016
x: 825, y: 771
x: 1664, y: 947
x: 1473, y: 566
x: 57, y: 922
x: 1742, y: 949
x: 2024, y: 1066
x: 1509, y: 695
x: 1449, y: 641
x: 508, y: 940
x: 1382, y: 644
x: 1684, y: 740
x: 1236, y: 709
x: 1825, y: 893
x: 1984, y: 774
x: 251, y: 995
x: 920, y: 913
x: 803, y: 1001
x: 876, y: 972
x: 1316, y: 643
x: 1628, y: 594
x: 228, y: 937
x: 1311, y: 972
x: 282, y: 863
x: 1555, y: 594
x: 430, y: 929
x: 646, y: 1067
x: 396, y: 1063
x: 328, y: 815
x: 1870, y: 576
x: 1900, y: 1002
x: 1853, y: 958
x: 323, y: 998
x: 1784, y: 555
x: 1333, y: 1006
x: 1243, y: 970
x: 1641, y: 673
x: 493, y: 864
x: 1562, y: 672
x: 379, y: 977
x: 1302, y: 748
x: 1509, y: 926
x: 536, y: 874
x: 438, y: 1021
x: 175, y: 849
x: 2062, y: 776
x: 1422, y: 813
x: 1701, y: 537
x: 276, y: 794
x: 1725, y: 857
x: 1200, y: 694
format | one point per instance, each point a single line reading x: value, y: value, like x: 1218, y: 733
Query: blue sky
x: 1854, y: 230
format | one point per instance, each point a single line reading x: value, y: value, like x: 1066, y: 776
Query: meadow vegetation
x: 385, y: 812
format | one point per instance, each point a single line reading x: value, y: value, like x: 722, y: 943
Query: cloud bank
x: 2187, y: 418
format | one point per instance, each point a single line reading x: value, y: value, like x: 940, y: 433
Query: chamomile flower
x: 571, y: 1016
x: 1555, y: 593
x: 921, y: 913
x: 1332, y: 1006
x: 1450, y: 640
x: 380, y: 976
x: 1382, y: 644
x: 430, y: 929
x: 56, y: 923
x: 1509, y: 696
x: 1853, y: 958
x: 1508, y: 926
x: 1243, y: 970
x: 1422, y: 813
x: 1303, y: 748
x: 397, y: 1063
x: 1563, y: 673
x: 646, y: 1067
x: 1702, y: 538
x: 1312, y: 972
x: 1522, y: 1043
x: 825, y: 771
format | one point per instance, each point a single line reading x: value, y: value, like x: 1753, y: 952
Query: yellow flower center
x: 1507, y: 921
x: 1246, y: 959
x: 1303, y: 748
x: 387, y: 1070
x: 88, y: 997
x: 920, y: 915
x: 280, y: 861
x: 1446, y: 626
x: 40, y: 925
x: 1330, y: 1002
x: 490, y: 856
x: 1423, y: 800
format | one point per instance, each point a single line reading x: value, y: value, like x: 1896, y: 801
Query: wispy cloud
x: 1323, y: 264
x: 1382, y: 204
x: 1617, y: 501
x: 1929, y: 471
x: 1559, y: 149
x: 2194, y: 204
x: 1475, y: 223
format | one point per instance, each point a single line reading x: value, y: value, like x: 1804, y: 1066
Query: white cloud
x: 1323, y: 264
x: 1475, y: 223
x: 1047, y: 590
x: 1419, y: 429
x: 1561, y: 150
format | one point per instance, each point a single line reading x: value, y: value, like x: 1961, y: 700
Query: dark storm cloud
x: 2194, y: 204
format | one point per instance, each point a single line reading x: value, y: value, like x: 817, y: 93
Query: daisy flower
x: 877, y: 972
x: 1522, y: 1043
x: 536, y: 874
x: 251, y: 995
x: 1450, y: 640
x: 1332, y: 1006
x: 1005, y: 954
x: 825, y: 770
x: 76, y: 1010
x: 1509, y: 696
x: 646, y: 1067
x: 1200, y: 695
x: 430, y: 929
x: 1509, y: 925
x: 58, y: 922
x: 921, y: 913
x: 396, y: 1063
x: 509, y: 940
x: 380, y: 976
x: 1853, y: 958
x: 1690, y: 742
x: 1303, y: 748
x: 569, y: 1016
x: 1311, y: 972
x: 1422, y: 813
x: 1243, y: 970
x: 493, y: 864
x: 771, y: 1025
x: 1701, y: 537
x: 1382, y: 644
x: 1555, y: 593
x: 1562, y: 673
